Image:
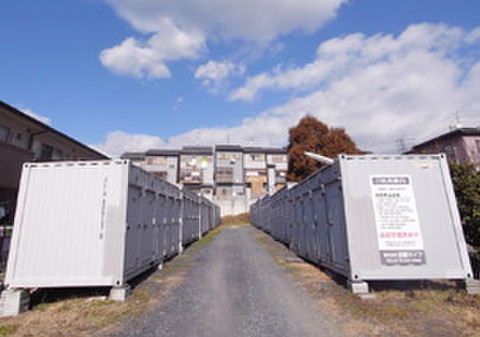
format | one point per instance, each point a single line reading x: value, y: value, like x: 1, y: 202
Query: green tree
x: 314, y: 136
x: 466, y: 183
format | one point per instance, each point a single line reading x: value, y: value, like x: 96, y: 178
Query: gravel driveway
x: 235, y: 289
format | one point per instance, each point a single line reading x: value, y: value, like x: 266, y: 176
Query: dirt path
x: 234, y: 289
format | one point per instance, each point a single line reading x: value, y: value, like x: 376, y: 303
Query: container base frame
x: 14, y: 301
x: 120, y: 294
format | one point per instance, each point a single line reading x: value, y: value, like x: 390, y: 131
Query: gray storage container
x: 191, y: 216
x: 373, y: 218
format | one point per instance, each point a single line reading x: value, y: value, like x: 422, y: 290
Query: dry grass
x: 86, y: 316
x: 236, y: 220
x: 89, y: 316
x: 435, y: 309
x: 208, y: 238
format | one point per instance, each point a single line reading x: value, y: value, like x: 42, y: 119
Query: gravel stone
x: 235, y: 289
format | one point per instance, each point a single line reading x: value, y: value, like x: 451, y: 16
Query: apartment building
x: 265, y: 170
x: 255, y: 168
x: 24, y: 138
x: 462, y: 146
x: 229, y: 171
x: 277, y: 167
x: 226, y: 171
x: 197, y: 169
x: 163, y: 163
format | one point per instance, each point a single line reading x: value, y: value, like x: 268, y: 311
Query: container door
x: 171, y: 222
x: 161, y: 240
x: 297, y: 227
x: 168, y: 226
x: 147, y: 230
x: 322, y: 228
x: 156, y: 231
x: 303, y: 227
x: 309, y: 226
x: 336, y: 226
x: 290, y: 221
x: 134, y: 227
x: 178, y: 207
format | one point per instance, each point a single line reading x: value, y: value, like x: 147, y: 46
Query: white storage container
x: 97, y: 223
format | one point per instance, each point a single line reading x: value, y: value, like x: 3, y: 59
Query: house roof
x: 44, y: 127
x: 228, y: 147
x: 162, y: 152
x: 205, y: 150
x: 459, y: 132
x: 133, y: 155
x: 276, y: 150
x: 266, y: 150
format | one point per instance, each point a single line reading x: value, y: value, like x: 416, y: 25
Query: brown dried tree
x: 314, y: 136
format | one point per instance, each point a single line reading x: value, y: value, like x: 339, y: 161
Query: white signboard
x: 398, y: 230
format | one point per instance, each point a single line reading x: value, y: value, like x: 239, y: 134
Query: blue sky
x: 129, y: 75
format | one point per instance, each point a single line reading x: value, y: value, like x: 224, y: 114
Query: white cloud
x: 43, y: 119
x: 380, y: 88
x: 340, y: 57
x: 178, y: 103
x: 213, y: 73
x: 474, y: 36
x: 217, y: 71
x: 410, y: 85
x: 255, y: 20
x: 181, y: 28
x: 118, y: 142
x: 139, y: 58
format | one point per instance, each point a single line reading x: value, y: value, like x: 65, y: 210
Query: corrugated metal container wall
x: 375, y: 218
x: 191, y: 216
x: 218, y: 215
x: 91, y: 224
x: 281, y: 208
x: 204, y: 215
x: 172, y: 221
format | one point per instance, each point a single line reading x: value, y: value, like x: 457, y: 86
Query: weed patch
x: 236, y: 220
x: 87, y: 316
x: 261, y: 239
x: 8, y: 330
x: 207, y: 238
x: 430, y: 310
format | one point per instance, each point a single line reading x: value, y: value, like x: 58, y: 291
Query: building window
x: 279, y: 159
x: 47, y: 152
x: 224, y: 175
x: 477, y: 142
x: 157, y: 161
x: 448, y: 149
x: 257, y: 157
x: 161, y: 174
x: 4, y: 132
x: 231, y: 157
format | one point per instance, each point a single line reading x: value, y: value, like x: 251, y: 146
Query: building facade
x: 225, y: 172
x: 229, y: 171
x: 197, y: 169
x: 461, y: 146
x: 277, y: 166
x: 163, y: 163
x: 22, y: 139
